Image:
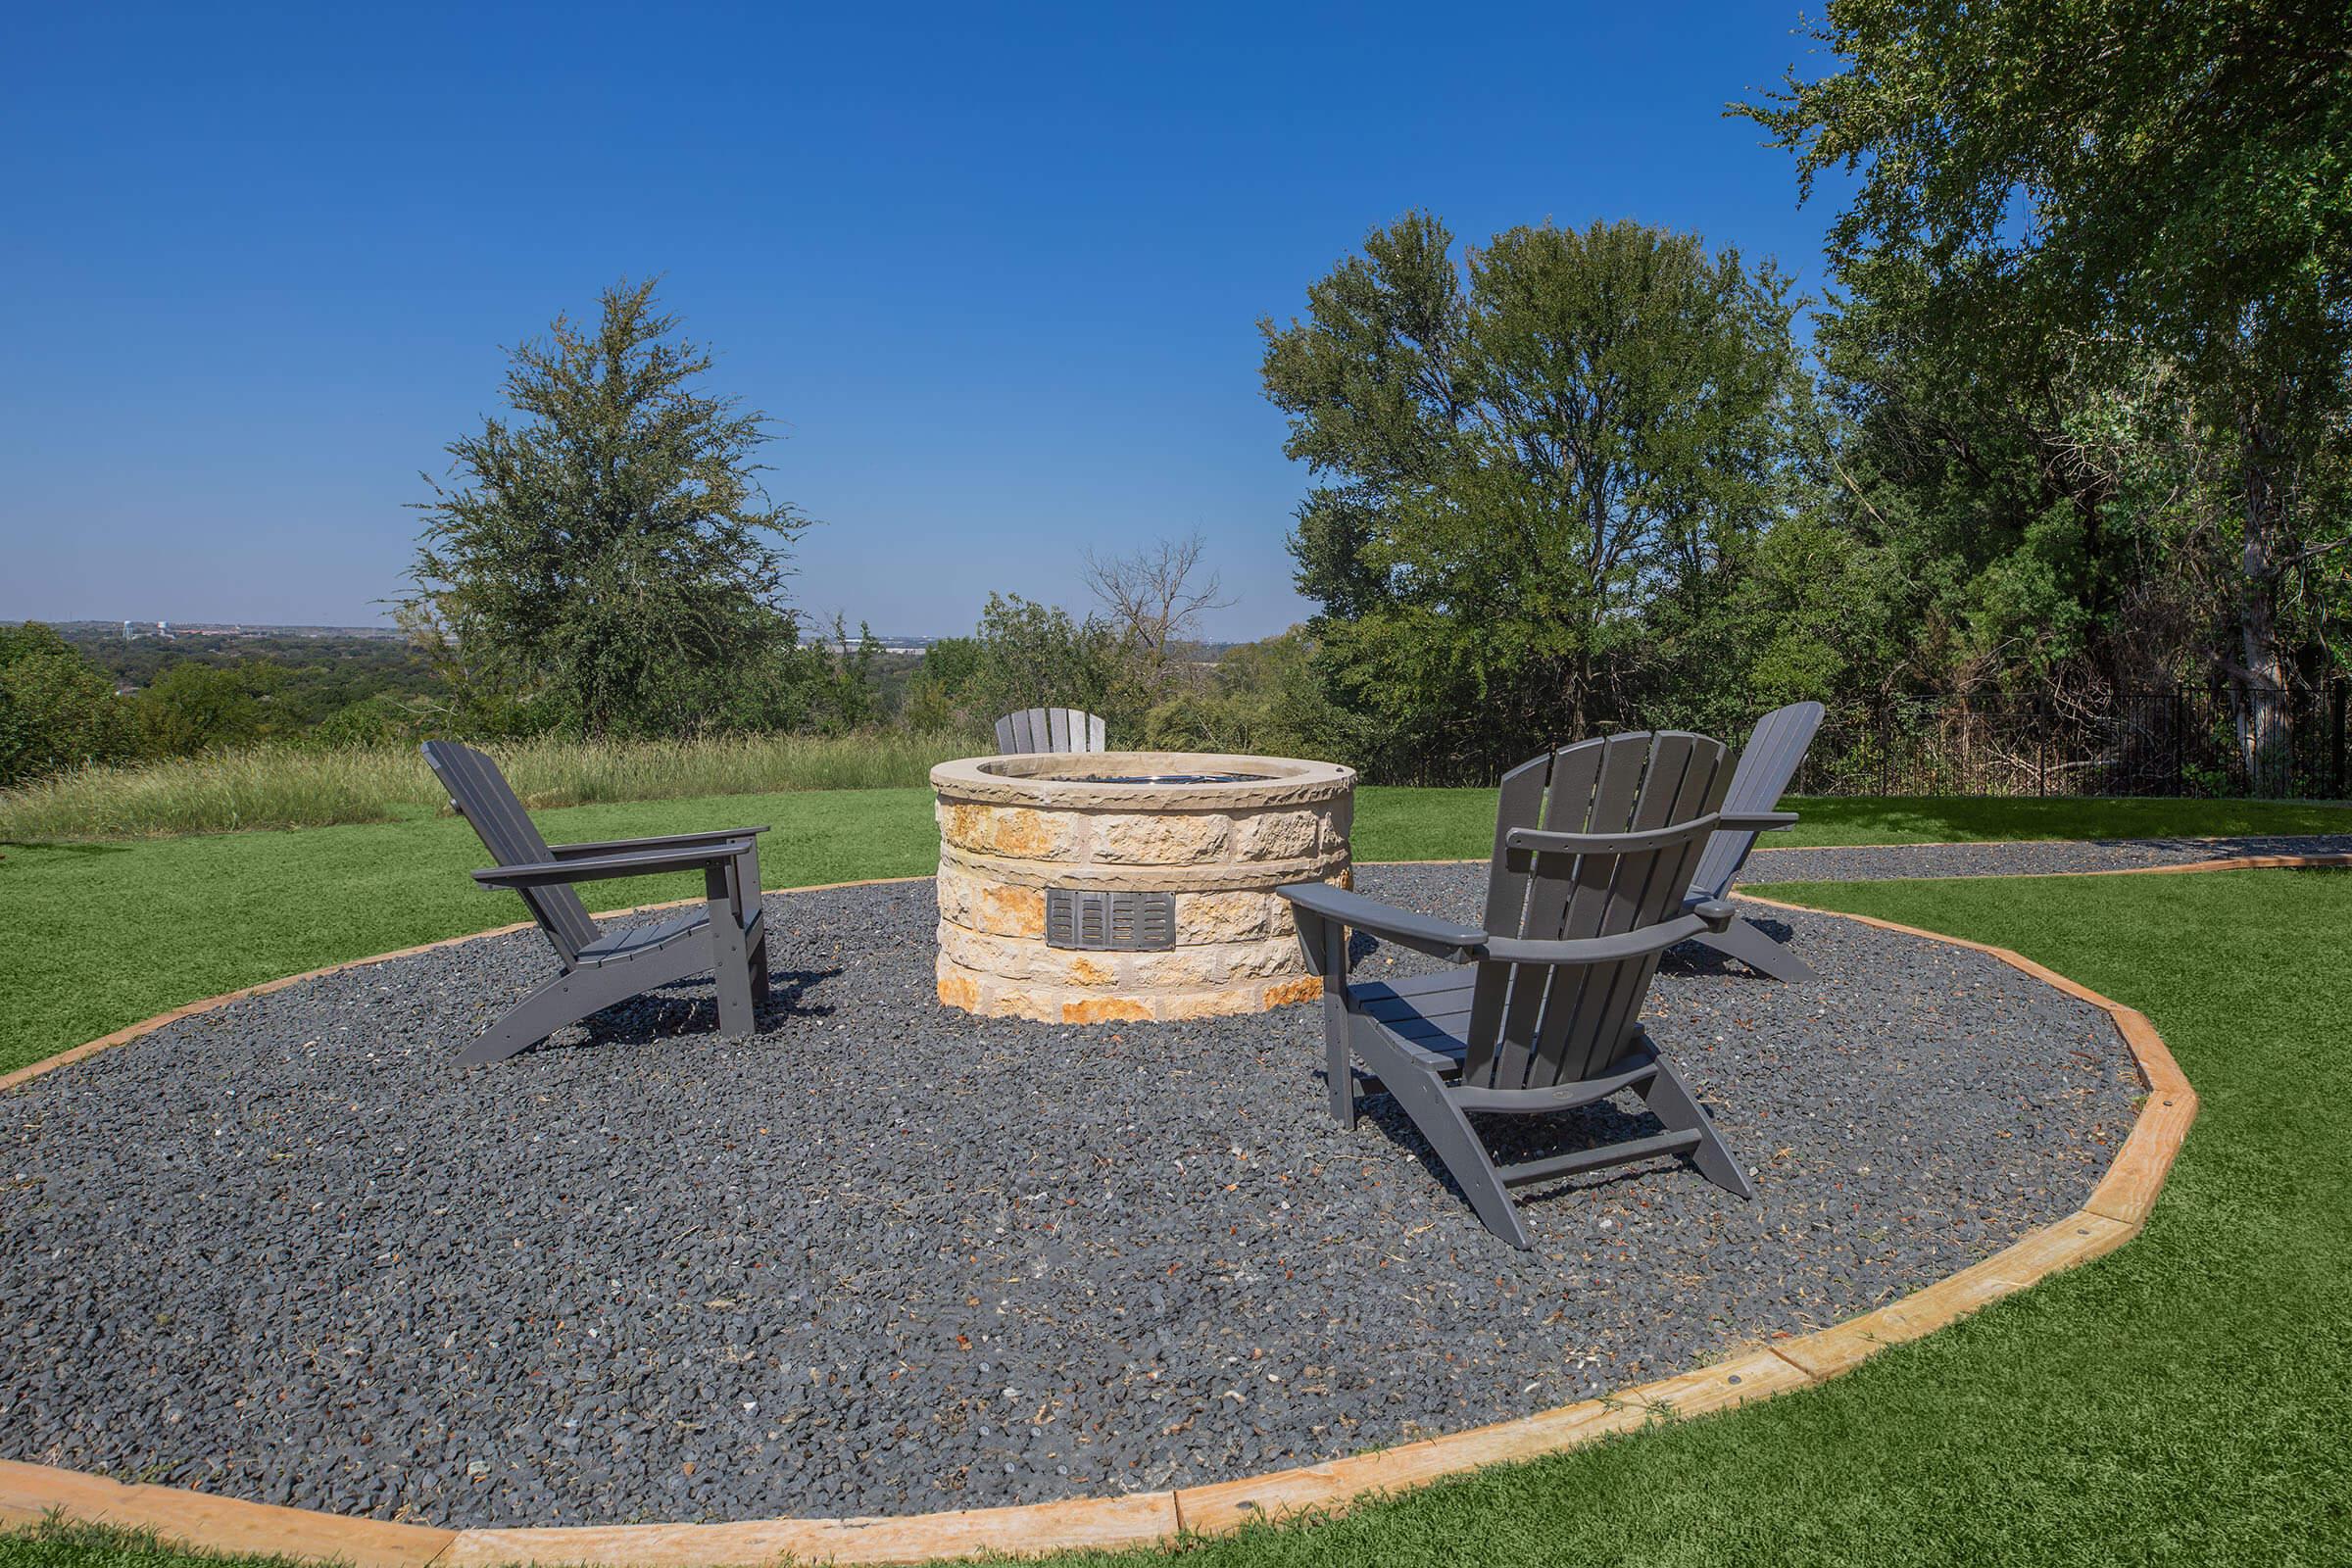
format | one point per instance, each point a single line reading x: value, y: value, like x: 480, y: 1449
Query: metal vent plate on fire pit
x: 1109, y: 922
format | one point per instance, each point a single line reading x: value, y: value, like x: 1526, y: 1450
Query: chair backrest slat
x: 1607, y: 897
x: 1569, y: 897
x: 1775, y: 750
x: 480, y: 792
x: 1684, y: 772
x: 1532, y: 1026
x: 1520, y: 803
x: 1049, y: 729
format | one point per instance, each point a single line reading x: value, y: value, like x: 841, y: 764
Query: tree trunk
x: 1579, y: 694
x: 2257, y: 690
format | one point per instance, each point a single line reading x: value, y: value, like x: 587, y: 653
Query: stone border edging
x: 2116, y: 1212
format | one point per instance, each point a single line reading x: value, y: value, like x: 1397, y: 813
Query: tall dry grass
x: 275, y: 787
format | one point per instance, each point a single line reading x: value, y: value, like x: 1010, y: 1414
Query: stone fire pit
x: 1077, y: 888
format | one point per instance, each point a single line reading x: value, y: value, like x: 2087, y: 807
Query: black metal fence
x: 2183, y: 741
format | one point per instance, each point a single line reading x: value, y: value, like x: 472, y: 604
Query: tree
x: 1154, y: 600
x: 383, y: 720
x: 1260, y: 697
x: 1521, y: 459
x: 1039, y: 656
x: 844, y: 693
x: 57, y: 710
x: 938, y: 694
x: 2106, y: 192
x: 194, y: 707
x: 611, y: 559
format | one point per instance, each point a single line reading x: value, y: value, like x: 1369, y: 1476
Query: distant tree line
x: 70, y: 701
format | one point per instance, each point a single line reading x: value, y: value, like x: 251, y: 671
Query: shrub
x: 58, y: 710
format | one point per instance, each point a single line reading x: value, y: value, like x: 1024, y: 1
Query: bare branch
x: 1153, y: 597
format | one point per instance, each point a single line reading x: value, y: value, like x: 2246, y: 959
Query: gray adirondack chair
x: 1767, y: 762
x: 598, y: 968
x: 1049, y: 729
x: 1594, y: 848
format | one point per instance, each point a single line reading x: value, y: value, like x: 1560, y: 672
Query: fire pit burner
x: 1167, y: 779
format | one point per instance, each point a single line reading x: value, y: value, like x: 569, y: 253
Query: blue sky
x: 995, y: 270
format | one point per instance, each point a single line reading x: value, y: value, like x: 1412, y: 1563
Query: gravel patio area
x: 884, y: 1258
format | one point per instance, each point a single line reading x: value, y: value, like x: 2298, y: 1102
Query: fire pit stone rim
x: 1042, y: 779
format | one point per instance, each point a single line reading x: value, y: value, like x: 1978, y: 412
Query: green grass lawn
x: 95, y: 936
x: 2183, y: 1400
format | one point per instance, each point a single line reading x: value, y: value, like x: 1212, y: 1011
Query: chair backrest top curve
x: 1049, y: 729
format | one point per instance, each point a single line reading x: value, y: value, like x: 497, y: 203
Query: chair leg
x: 565, y: 1000
x: 730, y: 960
x: 760, y: 978
x: 1338, y: 1072
x: 1670, y: 1100
x: 1424, y: 1098
x: 747, y: 906
x: 1743, y: 940
x: 1325, y: 942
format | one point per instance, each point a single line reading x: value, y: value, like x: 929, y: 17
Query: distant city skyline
x: 201, y: 626
x: 994, y: 275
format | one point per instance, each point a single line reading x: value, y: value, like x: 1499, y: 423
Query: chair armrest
x: 1538, y: 840
x: 589, y: 868
x: 567, y: 852
x: 1718, y: 913
x: 1758, y: 821
x: 1441, y: 938
x: 1602, y: 949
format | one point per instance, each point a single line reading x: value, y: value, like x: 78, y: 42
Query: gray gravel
x: 1876, y: 861
x: 883, y: 1257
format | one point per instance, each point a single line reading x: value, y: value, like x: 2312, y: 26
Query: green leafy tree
x: 57, y: 710
x: 610, y: 561
x: 1261, y: 697
x: 1524, y: 462
x: 843, y: 691
x: 194, y: 707
x: 1039, y: 656
x: 939, y: 694
x: 2085, y: 195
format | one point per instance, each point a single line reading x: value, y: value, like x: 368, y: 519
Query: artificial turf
x: 96, y: 936
x: 2183, y: 1399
